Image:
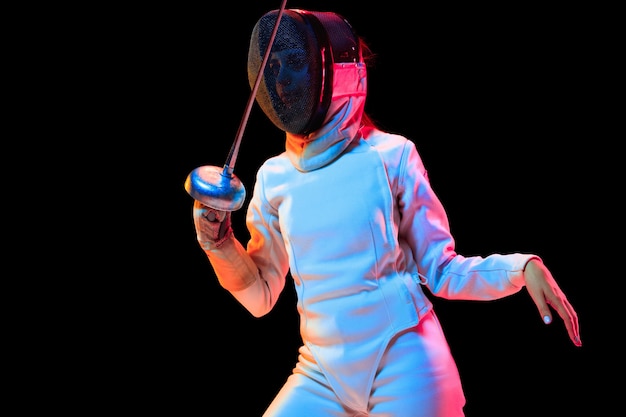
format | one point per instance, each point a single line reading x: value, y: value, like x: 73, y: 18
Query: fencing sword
x: 219, y: 188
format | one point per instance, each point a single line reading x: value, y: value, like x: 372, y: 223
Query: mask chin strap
x: 221, y: 189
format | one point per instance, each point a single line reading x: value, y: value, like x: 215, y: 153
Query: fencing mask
x: 296, y: 87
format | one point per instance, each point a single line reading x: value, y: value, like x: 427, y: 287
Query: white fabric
x: 417, y: 377
x: 350, y: 233
x: 342, y: 121
x: 349, y: 212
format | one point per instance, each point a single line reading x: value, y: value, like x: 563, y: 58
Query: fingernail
x: 546, y: 319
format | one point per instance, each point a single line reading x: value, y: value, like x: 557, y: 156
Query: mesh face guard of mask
x: 296, y: 87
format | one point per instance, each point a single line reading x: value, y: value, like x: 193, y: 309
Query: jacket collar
x: 342, y: 123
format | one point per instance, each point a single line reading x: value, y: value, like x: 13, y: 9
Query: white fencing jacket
x: 349, y: 212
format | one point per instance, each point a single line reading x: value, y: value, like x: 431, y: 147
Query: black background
x: 502, y: 106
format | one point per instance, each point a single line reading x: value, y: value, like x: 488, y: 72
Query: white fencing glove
x: 213, y: 226
x: 234, y: 268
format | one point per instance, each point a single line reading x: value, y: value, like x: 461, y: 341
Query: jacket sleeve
x: 254, y: 275
x: 424, y: 225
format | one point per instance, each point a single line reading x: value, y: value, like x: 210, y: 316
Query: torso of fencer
x: 356, y: 281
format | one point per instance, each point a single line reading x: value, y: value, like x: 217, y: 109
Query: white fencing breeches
x: 416, y: 377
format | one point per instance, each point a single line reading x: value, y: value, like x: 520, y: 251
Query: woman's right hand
x: 212, y: 226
